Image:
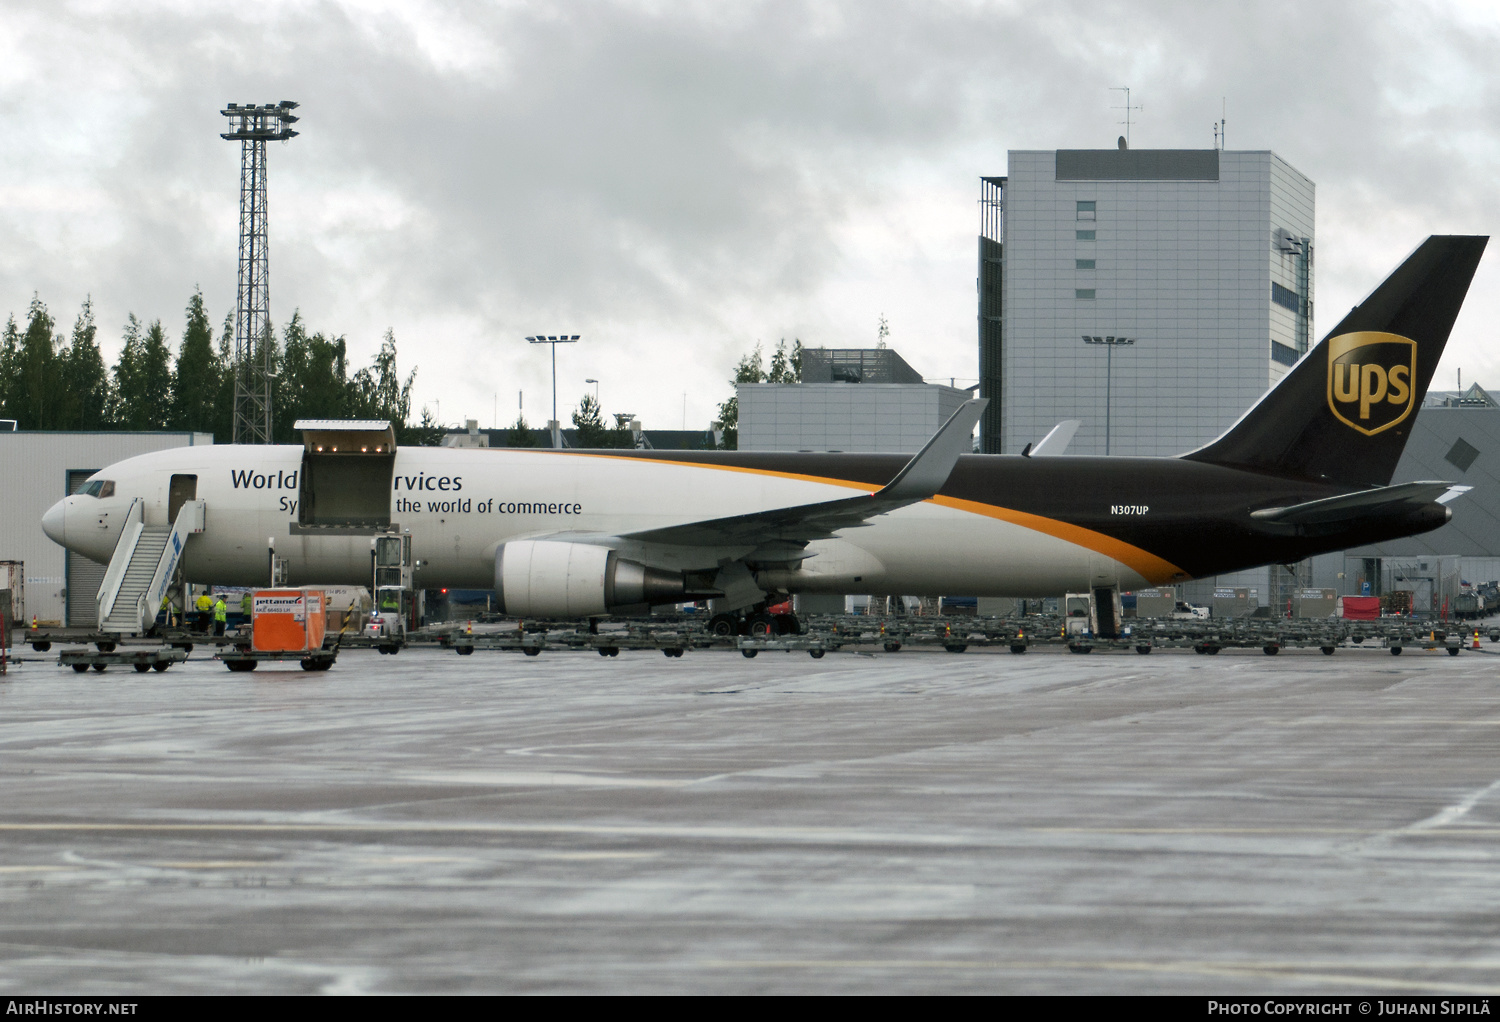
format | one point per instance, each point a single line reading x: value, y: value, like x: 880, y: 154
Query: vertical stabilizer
x: 1345, y: 410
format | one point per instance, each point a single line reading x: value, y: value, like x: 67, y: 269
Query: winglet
x: 1057, y: 441
x: 926, y: 473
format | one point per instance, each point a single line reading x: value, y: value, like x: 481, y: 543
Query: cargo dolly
x: 154, y: 658
x: 243, y: 658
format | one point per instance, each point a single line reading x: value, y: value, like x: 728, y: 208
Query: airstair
x: 141, y: 568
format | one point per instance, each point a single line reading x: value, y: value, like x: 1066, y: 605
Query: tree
x: 521, y: 435
x: 10, y: 362
x: 223, y: 417
x: 196, y: 385
x: 37, y: 399
x: 379, y: 390
x: 85, y: 377
x: 589, y: 423
x: 786, y: 367
x: 143, y: 378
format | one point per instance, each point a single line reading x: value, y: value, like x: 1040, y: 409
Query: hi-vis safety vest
x: 220, y: 611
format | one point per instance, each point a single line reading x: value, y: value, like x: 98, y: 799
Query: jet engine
x: 553, y: 578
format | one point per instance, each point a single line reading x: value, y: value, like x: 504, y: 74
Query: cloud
x: 676, y: 181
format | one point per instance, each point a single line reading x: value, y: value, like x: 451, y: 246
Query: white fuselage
x: 460, y: 505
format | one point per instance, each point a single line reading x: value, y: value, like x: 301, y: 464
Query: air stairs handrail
x: 190, y: 519
x: 114, y: 575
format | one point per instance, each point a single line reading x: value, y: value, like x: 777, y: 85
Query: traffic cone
x: 33, y: 622
x: 1476, y: 638
x: 470, y: 629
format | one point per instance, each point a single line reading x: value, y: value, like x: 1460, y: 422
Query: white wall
x: 855, y: 417
x: 1185, y: 267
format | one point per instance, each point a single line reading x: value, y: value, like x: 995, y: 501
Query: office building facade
x: 1152, y: 294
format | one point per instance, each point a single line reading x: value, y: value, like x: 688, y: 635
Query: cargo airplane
x: 1306, y: 470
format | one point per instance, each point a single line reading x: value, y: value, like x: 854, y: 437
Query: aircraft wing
x: 920, y: 478
x: 1360, y: 504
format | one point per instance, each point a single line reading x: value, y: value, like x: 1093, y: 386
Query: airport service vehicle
x: 575, y: 533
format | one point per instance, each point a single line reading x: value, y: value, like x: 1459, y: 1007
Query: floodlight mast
x: 253, y: 126
x: 554, y: 340
x: 1110, y: 344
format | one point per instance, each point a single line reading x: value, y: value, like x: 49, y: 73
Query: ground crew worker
x: 166, y: 610
x: 205, y: 611
x: 221, y: 615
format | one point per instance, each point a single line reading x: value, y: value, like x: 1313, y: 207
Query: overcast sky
x: 676, y: 181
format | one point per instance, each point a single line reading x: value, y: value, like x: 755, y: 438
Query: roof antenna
x: 1223, y: 123
x: 1127, y: 108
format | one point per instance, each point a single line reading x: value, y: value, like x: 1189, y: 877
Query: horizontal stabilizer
x: 1359, y: 505
x: 922, y: 477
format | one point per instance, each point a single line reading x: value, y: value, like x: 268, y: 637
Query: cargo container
x: 287, y: 620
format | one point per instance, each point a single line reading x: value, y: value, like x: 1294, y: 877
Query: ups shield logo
x: 1370, y: 380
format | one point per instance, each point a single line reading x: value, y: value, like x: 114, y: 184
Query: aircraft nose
x: 54, y: 522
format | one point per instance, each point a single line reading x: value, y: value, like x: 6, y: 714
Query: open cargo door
x: 347, y: 469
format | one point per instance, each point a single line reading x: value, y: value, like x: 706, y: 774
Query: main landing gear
x: 756, y: 622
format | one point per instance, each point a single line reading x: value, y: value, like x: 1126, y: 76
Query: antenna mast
x: 1127, y: 108
x: 253, y: 126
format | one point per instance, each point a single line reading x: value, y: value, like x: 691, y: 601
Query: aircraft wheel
x: 99, y: 667
x: 186, y: 647
x: 955, y: 647
x: 749, y: 654
x: 723, y: 625
x: 532, y: 651
x: 1270, y: 650
x: 1395, y: 651
x: 105, y: 647
x: 893, y: 647
x: 161, y: 665
x: 1327, y: 650
x: 80, y: 668
x: 1143, y: 650
x: 673, y: 653
x: 816, y: 654
x: 787, y: 624
x: 608, y: 651
x: 141, y: 668
x: 41, y: 647
x: 762, y: 626
x: 1453, y: 651
x: 1017, y: 648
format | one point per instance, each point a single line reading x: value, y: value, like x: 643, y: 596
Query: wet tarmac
x: 916, y: 822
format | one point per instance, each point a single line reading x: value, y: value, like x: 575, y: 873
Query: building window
x: 1283, y: 353
x: 1083, y: 264
x: 1085, y: 235
x: 1084, y: 292
x: 1285, y: 297
x: 1086, y: 209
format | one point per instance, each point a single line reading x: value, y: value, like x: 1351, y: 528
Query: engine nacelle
x: 554, y: 578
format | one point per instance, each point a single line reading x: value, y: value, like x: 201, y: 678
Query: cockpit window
x: 99, y: 488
